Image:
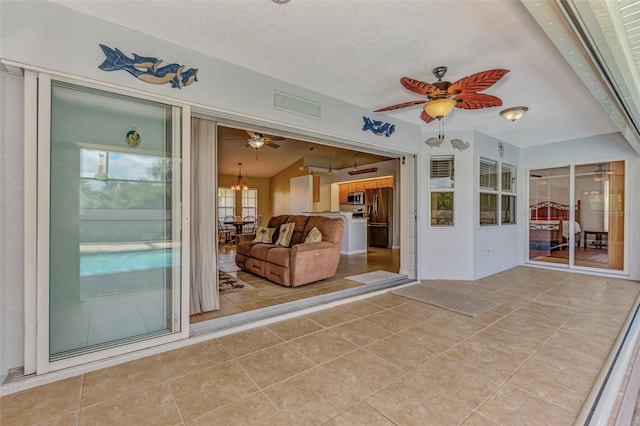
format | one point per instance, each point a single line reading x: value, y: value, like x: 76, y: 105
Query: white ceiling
x: 357, y: 51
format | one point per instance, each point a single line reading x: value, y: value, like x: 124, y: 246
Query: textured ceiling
x: 357, y: 51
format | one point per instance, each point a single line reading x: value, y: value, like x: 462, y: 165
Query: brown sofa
x: 300, y: 263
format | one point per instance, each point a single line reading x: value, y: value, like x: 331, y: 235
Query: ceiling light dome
x: 439, y: 108
x: 513, y: 114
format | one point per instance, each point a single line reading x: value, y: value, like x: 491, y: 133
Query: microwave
x: 355, y: 198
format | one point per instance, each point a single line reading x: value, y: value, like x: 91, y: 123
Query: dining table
x: 238, y: 224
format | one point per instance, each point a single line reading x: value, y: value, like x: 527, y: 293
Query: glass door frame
x: 37, y: 227
x: 572, y: 206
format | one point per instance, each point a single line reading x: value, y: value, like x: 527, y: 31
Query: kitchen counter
x: 354, y: 240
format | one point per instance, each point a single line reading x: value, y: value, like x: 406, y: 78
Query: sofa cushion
x: 279, y: 256
x: 298, y: 232
x: 286, y: 232
x: 314, y: 236
x: 244, y: 248
x: 331, y: 228
x: 275, y: 222
x: 264, y: 235
x: 259, y: 251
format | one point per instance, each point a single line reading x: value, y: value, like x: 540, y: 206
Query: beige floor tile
x: 456, y: 380
x: 274, y: 364
x: 568, y: 361
x: 485, y: 358
x: 409, y: 402
x: 210, y: 388
x: 418, y: 311
x: 434, y: 338
x: 68, y: 420
x: 591, y: 328
x: 149, y: 405
x: 597, y: 348
x: 361, y: 332
x: 505, y: 340
x: 331, y: 317
x: 388, y: 300
x: 402, y: 351
x: 545, y: 314
x: 361, y: 308
x: 513, y: 406
x: 571, y: 302
x: 322, y: 346
x: 254, y: 409
x: 520, y: 324
x: 41, y: 403
x: 456, y: 324
x: 312, y: 397
x: 392, y: 321
x: 360, y: 415
x: 476, y: 419
x: 111, y: 382
x: 244, y: 342
x: 362, y: 372
x: 294, y: 327
x: 192, y: 358
x: 566, y: 390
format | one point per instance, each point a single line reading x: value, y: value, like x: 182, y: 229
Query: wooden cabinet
x: 381, y: 183
x: 390, y: 182
x: 316, y: 189
x: 370, y: 184
x: 360, y: 185
x: 352, y: 186
x: 343, y: 191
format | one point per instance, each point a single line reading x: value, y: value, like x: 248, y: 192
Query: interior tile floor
x: 265, y: 293
x: 384, y: 360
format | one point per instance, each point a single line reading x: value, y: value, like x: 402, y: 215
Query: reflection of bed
x: 549, y: 225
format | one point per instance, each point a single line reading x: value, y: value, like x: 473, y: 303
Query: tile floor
x: 265, y: 293
x: 384, y: 360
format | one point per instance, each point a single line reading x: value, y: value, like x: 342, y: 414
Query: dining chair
x: 259, y: 220
x: 225, y: 233
x: 226, y: 222
x: 249, y: 227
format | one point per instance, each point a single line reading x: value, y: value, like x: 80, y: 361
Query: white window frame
x: 246, y: 195
x: 512, y: 191
x: 222, y: 210
x: 489, y: 190
x: 441, y: 188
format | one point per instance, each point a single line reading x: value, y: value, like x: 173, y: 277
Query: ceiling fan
x: 443, y: 96
x: 258, y: 140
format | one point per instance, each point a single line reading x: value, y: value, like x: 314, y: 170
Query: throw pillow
x: 286, y: 232
x: 314, y: 236
x: 263, y: 235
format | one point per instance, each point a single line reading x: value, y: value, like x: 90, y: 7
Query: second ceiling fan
x: 258, y: 140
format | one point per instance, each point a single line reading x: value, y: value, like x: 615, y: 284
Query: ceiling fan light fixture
x: 256, y: 143
x: 439, y: 108
x: 515, y: 113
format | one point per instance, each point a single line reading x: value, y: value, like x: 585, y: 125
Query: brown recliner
x: 300, y: 263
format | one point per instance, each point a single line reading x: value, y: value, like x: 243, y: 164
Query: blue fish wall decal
x: 147, y: 68
x: 377, y: 127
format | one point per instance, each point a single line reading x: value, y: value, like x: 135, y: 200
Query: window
x: 497, y: 193
x: 488, y: 192
x: 226, y: 202
x: 441, y: 185
x: 508, y: 198
x: 249, y: 202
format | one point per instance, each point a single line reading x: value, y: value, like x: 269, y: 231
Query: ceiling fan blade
x: 402, y: 105
x: 274, y: 138
x: 477, y: 82
x: 426, y: 117
x: 477, y: 101
x: 271, y: 144
x: 417, y: 86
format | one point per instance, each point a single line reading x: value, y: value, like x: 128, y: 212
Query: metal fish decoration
x: 434, y: 142
x: 377, y: 127
x: 459, y: 144
x: 148, y: 68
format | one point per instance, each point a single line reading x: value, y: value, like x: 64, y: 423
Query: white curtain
x: 204, y: 270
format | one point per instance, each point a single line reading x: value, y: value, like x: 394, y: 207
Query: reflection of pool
x: 123, y: 261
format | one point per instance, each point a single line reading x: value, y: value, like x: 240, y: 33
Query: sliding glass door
x: 114, y: 243
x: 583, y: 230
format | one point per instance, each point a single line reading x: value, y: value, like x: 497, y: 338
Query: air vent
x: 13, y: 70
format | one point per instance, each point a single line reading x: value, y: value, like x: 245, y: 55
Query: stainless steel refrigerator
x: 380, y: 212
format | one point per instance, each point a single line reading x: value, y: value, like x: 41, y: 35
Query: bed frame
x: 549, y: 216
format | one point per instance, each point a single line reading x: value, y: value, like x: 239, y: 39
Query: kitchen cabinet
x: 343, y: 191
x: 381, y: 183
x: 316, y: 189
x: 390, y: 182
x: 352, y: 187
x: 360, y: 185
x: 370, y: 184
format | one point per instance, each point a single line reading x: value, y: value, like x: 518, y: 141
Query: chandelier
x: 239, y: 184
